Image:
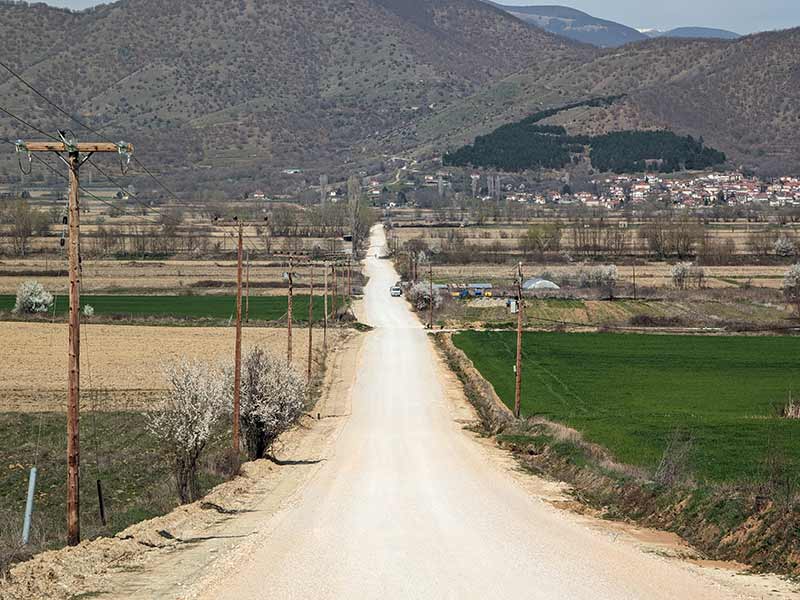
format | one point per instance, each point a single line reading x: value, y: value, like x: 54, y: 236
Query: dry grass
x: 121, y: 365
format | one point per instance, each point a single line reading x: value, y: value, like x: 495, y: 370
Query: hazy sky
x: 742, y: 16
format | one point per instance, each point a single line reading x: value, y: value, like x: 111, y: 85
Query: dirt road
x: 409, y: 506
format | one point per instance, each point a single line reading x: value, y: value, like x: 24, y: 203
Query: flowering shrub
x: 784, y: 246
x: 32, y: 298
x: 184, y: 420
x: 88, y: 310
x: 791, y: 286
x: 272, y: 400
x: 419, y: 295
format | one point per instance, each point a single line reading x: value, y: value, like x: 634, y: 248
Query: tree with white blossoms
x: 791, y: 286
x: 32, y: 298
x: 784, y: 246
x: 272, y: 400
x: 680, y: 275
x: 419, y: 295
x: 185, y: 419
x: 606, y: 276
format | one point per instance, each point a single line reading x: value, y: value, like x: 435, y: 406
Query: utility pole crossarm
x: 85, y: 147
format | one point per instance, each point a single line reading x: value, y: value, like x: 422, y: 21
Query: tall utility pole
x: 634, y: 279
x: 518, y: 368
x: 74, y: 161
x: 310, y: 319
x: 247, y: 300
x: 237, y: 369
x: 289, y: 316
x: 325, y: 313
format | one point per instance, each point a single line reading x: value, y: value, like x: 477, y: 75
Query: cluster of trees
x: 666, y: 236
x: 527, y: 145
x: 640, y: 151
x: 24, y: 221
x: 198, y: 406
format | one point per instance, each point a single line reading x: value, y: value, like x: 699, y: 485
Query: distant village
x: 708, y: 190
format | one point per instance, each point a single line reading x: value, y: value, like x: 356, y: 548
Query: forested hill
x: 527, y: 144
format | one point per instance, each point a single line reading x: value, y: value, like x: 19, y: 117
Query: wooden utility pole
x: 325, y: 313
x: 335, y: 300
x: 74, y: 161
x: 247, y: 300
x: 237, y: 372
x: 349, y: 282
x: 310, y: 320
x: 289, y: 316
x: 518, y: 367
x: 634, y: 280
x: 430, y: 274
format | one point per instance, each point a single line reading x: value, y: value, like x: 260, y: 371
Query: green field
x: 262, y: 308
x: 631, y: 393
x: 116, y: 448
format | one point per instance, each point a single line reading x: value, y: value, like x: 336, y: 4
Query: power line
x: 27, y: 124
x: 50, y: 102
x: 82, y: 124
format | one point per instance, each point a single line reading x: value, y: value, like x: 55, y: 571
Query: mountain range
x: 226, y: 94
x: 585, y: 28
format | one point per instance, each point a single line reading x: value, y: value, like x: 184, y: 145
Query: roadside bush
x: 272, y: 400
x: 419, y: 295
x: 32, y: 298
x: 184, y: 420
x: 674, y: 468
x: 88, y: 310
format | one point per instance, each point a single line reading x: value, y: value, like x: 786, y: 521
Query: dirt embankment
x: 494, y: 414
x: 191, y: 534
x: 752, y: 525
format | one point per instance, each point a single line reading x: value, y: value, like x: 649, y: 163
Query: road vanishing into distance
x: 409, y: 505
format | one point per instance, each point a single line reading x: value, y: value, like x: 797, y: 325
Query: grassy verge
x: 116, y: 448
x: 674, y: 432
x: 262, y: 308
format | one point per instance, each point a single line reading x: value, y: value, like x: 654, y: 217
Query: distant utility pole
x: 518, y: 368
x: 290, y: 277
x: 349, y: 282
x: 430, y: 273
x: 335, y: 291
x: 74, y: 161
x: 247, y: 301
x: 237, y: 372
x: 310, y: 319
x: 325, y: 312
x: 634, y: 279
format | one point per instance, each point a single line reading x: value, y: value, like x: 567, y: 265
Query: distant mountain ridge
x: 576, y: 25
x: 583, y: 27
x: 696, y: 32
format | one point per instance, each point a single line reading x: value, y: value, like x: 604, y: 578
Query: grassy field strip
x: 631, y: 393
x: 262, y: 308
